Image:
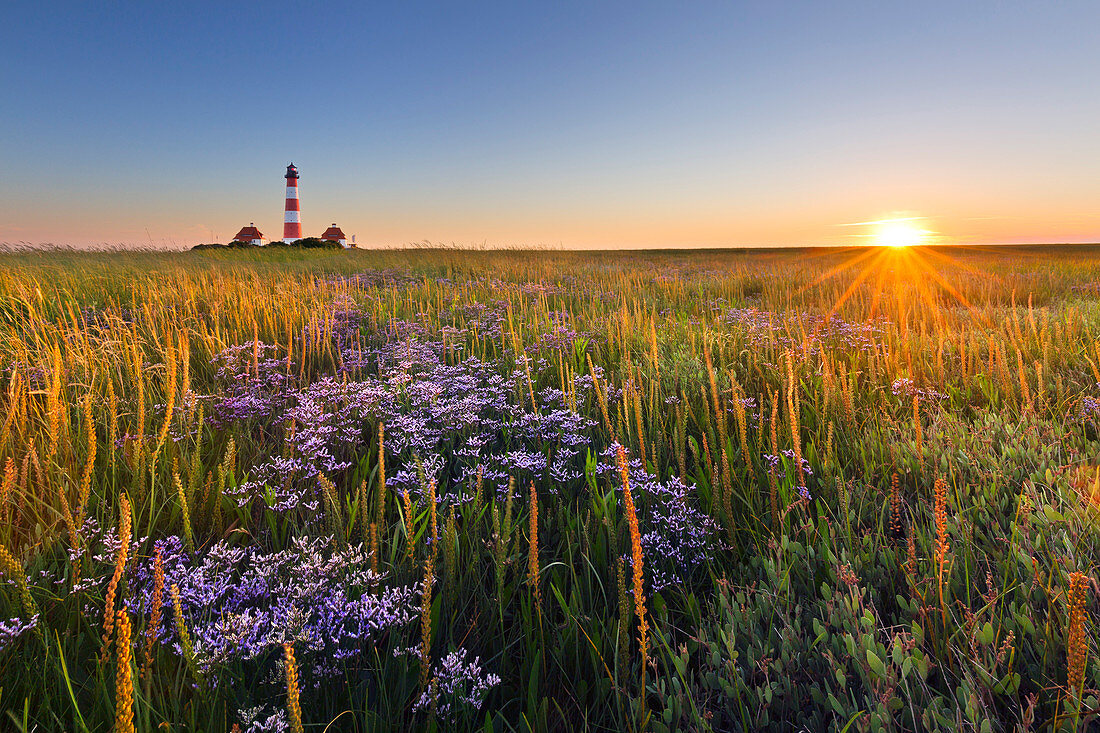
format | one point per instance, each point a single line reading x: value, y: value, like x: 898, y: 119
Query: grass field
x: 511, y: 491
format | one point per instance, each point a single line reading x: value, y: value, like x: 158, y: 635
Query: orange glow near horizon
x: 590, y: 226
x: 896, y: 232
x: 899, y: 233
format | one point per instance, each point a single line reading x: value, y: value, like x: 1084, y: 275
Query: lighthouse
x: 292, y: 217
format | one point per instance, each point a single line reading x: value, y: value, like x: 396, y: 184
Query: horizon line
x: 22, y: 247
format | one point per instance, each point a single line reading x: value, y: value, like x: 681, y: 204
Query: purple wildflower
x: 13, y: 628
x: 459, y: 686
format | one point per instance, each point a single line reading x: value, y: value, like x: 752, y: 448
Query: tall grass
x: 903, y: 467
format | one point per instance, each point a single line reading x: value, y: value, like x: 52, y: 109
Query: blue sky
x: 580, y: 124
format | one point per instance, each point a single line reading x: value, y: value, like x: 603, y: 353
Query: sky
x: 555, y: 124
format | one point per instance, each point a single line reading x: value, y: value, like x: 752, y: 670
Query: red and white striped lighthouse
x: 292, y: 218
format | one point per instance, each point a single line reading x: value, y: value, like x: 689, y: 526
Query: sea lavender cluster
x: 677, y: 538
x: 747, y: 403
x: 254, y: 383
x: 101, y: 546
x: 482, y: 318
x: 341, y: 323
x: 458, y: 686
x: 34, y: 376
x: 557, y: 338
x: 903, y: 387
x: 13, y: 628
x: 1092, y: 288
x: 241, y: 604
x: 447, y: 422
x: 1088, y: 409
x: 777, y: 464
x: 262, y: 719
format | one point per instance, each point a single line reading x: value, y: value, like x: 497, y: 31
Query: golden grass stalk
x: 727, y: 496
x: 706, y: 453
x: 31, y: 461
x: 942, y: 545
x: 7, y: 484
x: 184, y: 359
x: 917, y: 433
x: 14, y: 570
x: 426, y: 624
x: 363, y: 516
x: 335, y: 515
x: 224, y: 474
x: 185, y: 512
x: 849, y: 401
x: 406, y: 500
x: 1040, y: 386
x: 15, y: 402
x: 184, y: 634
x: 1031, y: 317
x: 170, y: 398
x: 910, y: 553
x: 124, y: 680
x: 478, y: 485
x: 895, y: 506
x: 792, y: 411
x: 433, y: 697
x: 53, y: 405
x: 1077, y: 636
x: 139, y: 384
x: 1025, y: 390
x: 639, y: 424
x: 380, y: 509
x: 124, y: 527
x: 293, y: 705
x: 450, y: 544
x: 530, y: 385
x: 89, y: 463
x: 742, y: 429
x: 433, y: 520
x: 637, y: 561
x: 533, y: 549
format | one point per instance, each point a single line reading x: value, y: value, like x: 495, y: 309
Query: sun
x: 898, y: 233
x: 898, y: 264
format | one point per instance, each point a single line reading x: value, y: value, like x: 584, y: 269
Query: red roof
x: 247, y: 234
x: 333, y: 234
